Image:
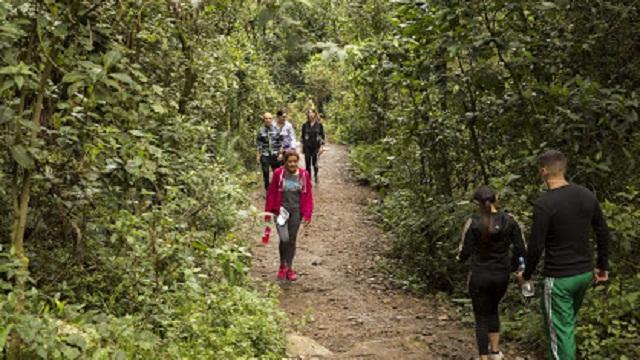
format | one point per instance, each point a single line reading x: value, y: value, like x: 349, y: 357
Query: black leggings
x: 311, y: 161
x: 288, y: 235
x: 486, y: 290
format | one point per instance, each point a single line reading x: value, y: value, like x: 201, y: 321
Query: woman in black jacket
x: 312, y: 141
x: 487, y: 238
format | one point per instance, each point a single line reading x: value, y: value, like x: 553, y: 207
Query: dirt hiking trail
x: 341, y: 301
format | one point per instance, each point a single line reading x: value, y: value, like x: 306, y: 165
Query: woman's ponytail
x: 485, y: 226
x: 485, y: 197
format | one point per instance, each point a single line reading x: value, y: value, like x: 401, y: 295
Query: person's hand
x: 600, y: 275
x: 520, y: 277
x: 258, y: 158
x: 306, y: 222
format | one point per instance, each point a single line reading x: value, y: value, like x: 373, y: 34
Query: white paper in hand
x: 282, y: 217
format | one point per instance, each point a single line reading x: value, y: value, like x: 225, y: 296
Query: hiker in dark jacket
x: 312, y: 141
x: 487, y: 239
x: 269, y: 147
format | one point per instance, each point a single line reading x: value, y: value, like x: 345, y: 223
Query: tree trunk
x: 189, y: 74
x: 189, y: 81
x: 441, y: 69
x: 79, y: 248
x: 21, y: 193
x: 20, y: 208
x: 476, y: 150
x: 22, y: 188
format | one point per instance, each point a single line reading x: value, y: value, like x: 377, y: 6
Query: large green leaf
x: 158, y: 108
x: 6, y: 114
x: 19, y: 80
x: 3, y: 336
x: 122, y: 77
x: 19, y: 69
x: 73, y: 77
x: 30, y: 125
x: 11, y: 31
x: 547, y: 5
x: 6, y: 85
x: 22, y: 156
x: 111, y: 58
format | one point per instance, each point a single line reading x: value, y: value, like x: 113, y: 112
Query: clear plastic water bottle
x: 527, y: 287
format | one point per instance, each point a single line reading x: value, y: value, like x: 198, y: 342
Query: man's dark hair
x: 554, y: 161
x: 279, y: 113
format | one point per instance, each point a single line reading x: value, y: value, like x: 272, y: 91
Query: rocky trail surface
x: 342, y: 306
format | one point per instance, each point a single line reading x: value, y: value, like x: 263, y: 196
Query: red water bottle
x: 267, y: 233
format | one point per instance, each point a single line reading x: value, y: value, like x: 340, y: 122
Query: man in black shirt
x: 561, y: 220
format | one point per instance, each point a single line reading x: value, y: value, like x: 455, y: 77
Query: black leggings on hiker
x: 288, y: 235
x: 311, y: 161
x: 486, y: 290
x: 267, y: 162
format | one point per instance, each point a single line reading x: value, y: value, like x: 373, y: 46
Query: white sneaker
x: 497, y: 356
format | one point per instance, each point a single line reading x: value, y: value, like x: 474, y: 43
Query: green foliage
x: 449, y: 95
x: 191, y: 319
x: 371, y: 164
x: 227, y: 322
x: 50, y: 328
x: 126, y: 129
x: 610, y: 320
x: 424, y: 238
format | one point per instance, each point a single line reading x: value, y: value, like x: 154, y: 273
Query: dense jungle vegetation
x: 125, y: 129
x: 439, y: 97
x: 127, y: 133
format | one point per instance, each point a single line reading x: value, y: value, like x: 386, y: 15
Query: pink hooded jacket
x: 276, y: 187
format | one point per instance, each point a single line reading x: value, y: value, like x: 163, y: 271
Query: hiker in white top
x: 286, y: 131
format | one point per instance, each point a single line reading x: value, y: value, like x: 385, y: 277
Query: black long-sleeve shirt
x: 504, y: 233
x: 561, y: 221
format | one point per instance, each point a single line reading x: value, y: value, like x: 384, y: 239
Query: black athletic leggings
x: 288, y: 235
x: 311, y: 161
x: 486, y: 290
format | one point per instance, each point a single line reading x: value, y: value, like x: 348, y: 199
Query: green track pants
x: 562, y: 298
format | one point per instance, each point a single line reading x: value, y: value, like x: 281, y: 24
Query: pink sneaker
x: 282, y: 272
x: 291, y: 275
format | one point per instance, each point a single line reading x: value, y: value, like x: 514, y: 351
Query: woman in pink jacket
x: 289, y: 198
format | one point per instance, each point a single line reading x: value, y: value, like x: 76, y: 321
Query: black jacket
x: 562, y: 219
x: 312, y: 136
x: 504, y: 234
